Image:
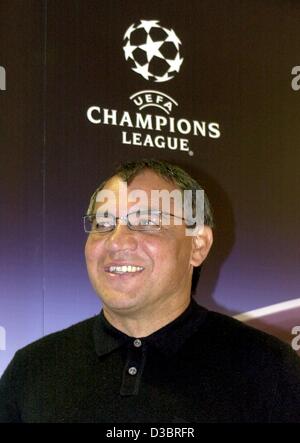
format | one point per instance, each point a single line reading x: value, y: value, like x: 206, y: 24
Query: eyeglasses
x: 136, y: 221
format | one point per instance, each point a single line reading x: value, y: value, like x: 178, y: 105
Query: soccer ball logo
x: 152, y: 50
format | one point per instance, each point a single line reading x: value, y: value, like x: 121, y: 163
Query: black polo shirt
x: 201, y: 367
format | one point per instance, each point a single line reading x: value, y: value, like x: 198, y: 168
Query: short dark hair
x: 128, y: 170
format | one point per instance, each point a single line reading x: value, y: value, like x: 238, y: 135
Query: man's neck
x: 143, y: 324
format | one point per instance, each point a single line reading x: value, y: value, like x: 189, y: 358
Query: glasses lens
x: 144, y: 220
x: 98, y: 223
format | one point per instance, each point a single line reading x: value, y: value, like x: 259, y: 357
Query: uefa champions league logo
x: 152, y: 50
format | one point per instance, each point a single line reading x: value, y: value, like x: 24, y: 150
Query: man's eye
x: 146, y: 222
x: 101, y: 222
x: 149, y: 220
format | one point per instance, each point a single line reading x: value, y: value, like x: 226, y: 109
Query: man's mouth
x: 124, y: 269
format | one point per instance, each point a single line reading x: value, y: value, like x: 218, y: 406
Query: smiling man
x: 152, y: 354
x: 143, y: 274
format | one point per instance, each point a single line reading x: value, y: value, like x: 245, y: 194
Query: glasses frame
x: 130, y: 226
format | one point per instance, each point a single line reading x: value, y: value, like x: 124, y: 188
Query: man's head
x: 127, y: 171
x: 158, y: 264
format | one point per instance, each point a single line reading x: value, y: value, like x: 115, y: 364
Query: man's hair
x: 128, y: 170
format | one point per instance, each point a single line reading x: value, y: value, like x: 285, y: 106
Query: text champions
x: 156, y: 123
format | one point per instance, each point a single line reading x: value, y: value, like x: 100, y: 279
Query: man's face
x: 166, y: 257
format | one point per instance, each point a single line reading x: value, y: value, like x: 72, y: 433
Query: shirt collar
x: 167, y: 340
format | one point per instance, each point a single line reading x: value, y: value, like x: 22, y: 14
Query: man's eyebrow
x: 132, y: 210
x: 143, y: 209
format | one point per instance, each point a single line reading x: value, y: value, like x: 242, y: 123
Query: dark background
x: 61, y: 57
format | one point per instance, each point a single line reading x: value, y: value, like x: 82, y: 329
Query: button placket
x: 136, y: 355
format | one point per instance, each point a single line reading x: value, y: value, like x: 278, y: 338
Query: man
x: 152, y: 354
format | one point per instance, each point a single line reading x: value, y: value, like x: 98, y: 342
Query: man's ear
x: 201, y: 244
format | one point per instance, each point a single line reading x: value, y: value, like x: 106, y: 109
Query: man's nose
x: 121, y: 238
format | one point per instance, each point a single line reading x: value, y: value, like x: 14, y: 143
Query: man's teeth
x: 124, y: 268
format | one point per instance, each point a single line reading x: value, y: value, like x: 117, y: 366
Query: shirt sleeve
x: 9, y: 411
x: 286, y: 406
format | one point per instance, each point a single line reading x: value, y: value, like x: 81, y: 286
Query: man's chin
x: 121, y: 302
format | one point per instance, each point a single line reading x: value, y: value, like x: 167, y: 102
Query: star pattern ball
x: 152, y: 50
